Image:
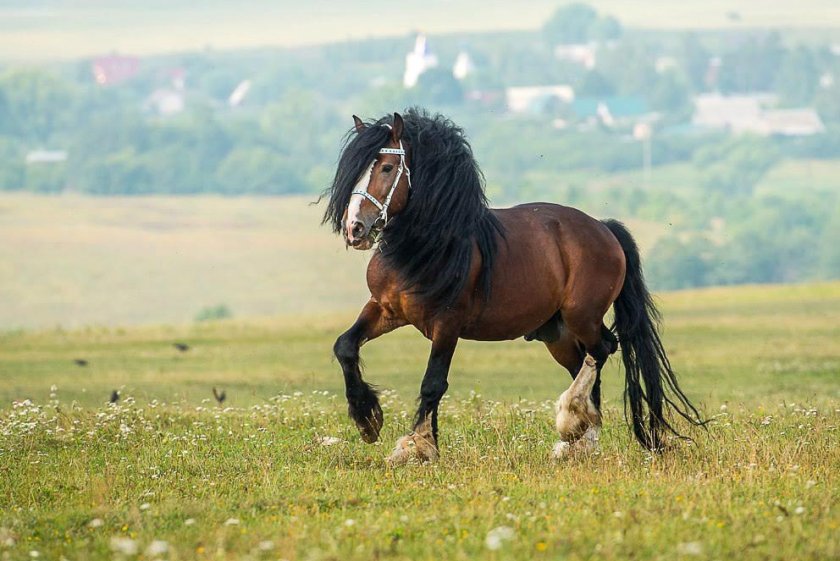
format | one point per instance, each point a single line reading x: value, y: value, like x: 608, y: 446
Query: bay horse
x: 455, y: 269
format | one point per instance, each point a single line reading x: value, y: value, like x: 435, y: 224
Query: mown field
x: 75, y: 261
x: 278, y: 471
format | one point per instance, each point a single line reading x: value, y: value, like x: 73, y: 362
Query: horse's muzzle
x: 358, y: 235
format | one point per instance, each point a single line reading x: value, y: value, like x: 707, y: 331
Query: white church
x: 420, y: 59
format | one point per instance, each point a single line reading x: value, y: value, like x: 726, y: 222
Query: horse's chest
x: 385, y: 289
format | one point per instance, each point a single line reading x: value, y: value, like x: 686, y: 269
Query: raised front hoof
x: 370, y: 427
x: 413, y: 448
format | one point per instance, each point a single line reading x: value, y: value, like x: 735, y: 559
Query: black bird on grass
x: 220, y: 396
x: 183, y: 347
x: 115, y: 396
x: 80, y: 362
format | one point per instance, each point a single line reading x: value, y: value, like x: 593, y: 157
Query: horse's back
x: 553, y: 258
x: 543, y: 228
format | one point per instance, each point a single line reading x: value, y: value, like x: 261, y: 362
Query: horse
x: 454, y: 268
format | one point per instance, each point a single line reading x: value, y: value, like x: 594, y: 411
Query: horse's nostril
x: 358, y: 229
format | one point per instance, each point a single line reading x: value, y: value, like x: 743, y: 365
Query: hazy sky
x: 48, y: 29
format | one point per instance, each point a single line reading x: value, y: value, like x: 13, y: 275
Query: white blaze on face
x: 354, y: 208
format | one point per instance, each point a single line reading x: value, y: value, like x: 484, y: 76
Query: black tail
x: 636, y: 324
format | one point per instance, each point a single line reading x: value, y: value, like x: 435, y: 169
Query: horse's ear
x: 397, y: 128
x: 360, y: 126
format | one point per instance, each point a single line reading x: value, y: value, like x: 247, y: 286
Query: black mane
x: 430, y: 243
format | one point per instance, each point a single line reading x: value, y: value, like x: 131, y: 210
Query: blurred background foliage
x: 726, y: 218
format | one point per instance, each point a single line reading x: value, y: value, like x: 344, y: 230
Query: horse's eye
x: 387, y: 168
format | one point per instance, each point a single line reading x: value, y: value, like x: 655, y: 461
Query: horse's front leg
x: 421, y: 442
x: 362, y: 401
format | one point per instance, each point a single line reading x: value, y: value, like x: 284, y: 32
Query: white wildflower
x: 799, y: 510
x: 329, y: 440
x: 266, y: 545
x: 95, y: 523
x: 690, y: 548
x: 123, y: 545
x: 497, y: 536
x: 189, y: 521
x: 349, y: 522
x: 7, y: 539
x: 232, y: 522
x: 145, y: 506
x: 157, y: 548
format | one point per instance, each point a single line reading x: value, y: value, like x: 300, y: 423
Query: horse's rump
x: 553, y: 259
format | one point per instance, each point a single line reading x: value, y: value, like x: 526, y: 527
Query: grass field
x: 61, y: 29
x: 167, y: 474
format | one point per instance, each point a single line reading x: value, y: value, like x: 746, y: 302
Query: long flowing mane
x: 431, y: 242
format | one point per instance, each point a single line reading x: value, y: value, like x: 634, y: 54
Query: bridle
x: 383, y: 207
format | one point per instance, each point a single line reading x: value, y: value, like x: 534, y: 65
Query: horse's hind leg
x: 363, y: 403
x: 579, y: 408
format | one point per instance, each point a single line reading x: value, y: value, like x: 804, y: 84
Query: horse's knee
x: 345, y: 349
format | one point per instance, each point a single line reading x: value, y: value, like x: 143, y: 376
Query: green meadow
x: 278, y: 471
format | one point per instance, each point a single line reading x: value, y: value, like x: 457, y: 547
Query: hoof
x: 370, y: 427
x: 413, y: 447
x: 588, y: 444
x: 561, y: 450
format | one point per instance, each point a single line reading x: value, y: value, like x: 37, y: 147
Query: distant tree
x: 259, y: 170
x: 797, y: 79
x: 213, y: 313
x: 605, y: 28
x: 694, y: 60
x: 827, y: 102
x: 670, y: 94
x: 7, y: 122
x: 121, y: 172
x: 379, y: 101
x: 674, y: 264
x: 12, y: 173
x: 570, y: 24
x: 829, y: 248
x: 766, y: 243
x: 220, y: 83
x: 35, y: 103
x: 437, y: 86
x: 595, y: 84
x: 736, y: 166
x: 630, y: 68
x: 45, y: 178
x: 753, y: 65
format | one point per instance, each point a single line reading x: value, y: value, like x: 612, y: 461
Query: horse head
x: 381, y: 192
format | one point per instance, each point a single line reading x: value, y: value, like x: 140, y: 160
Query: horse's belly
x: 510, y: 326
x: 514, y: 310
